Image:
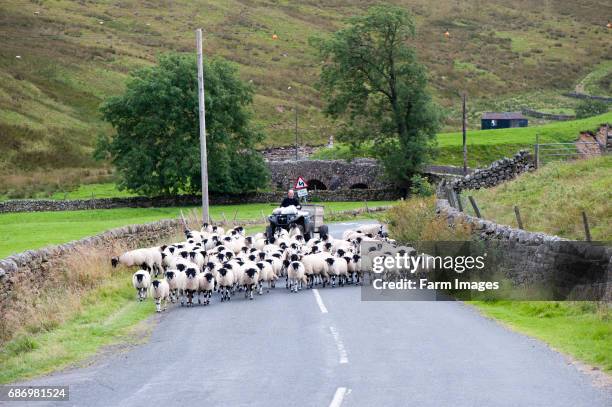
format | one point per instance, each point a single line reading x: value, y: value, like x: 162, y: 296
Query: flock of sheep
x: 213, y: 259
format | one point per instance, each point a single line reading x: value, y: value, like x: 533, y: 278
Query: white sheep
x: 296, y: 273
x: 266, y: 275
x: 337, y: 267
x: 206, y: 285
x: 176, y: 281
x: 147, y: 258
x: 160, y: 291
x: 192, y: 284
x: 141, y: 280
x: 225, y: 281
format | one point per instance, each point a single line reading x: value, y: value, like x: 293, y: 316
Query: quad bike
x: 308, y: 218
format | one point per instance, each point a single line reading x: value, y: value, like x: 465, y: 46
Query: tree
x: 156, y: 149
x: 371, y: 78
x: 590, y: 107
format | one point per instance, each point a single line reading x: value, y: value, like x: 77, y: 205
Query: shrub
x: 590, y: 107
x: 420, y: 186
x: 415, y: 220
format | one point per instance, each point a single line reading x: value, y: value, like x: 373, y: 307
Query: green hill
x: 74, y: 54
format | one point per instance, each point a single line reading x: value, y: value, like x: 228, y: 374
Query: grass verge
x: 106, y: 315
x: 580, y: 329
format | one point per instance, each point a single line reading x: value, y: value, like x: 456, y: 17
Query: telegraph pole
x: 296, y: 132
x: 464, y: 135
x: 202, y: 114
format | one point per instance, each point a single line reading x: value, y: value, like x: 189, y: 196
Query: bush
x: 590, y: 107
x: 415, y: 220
x: 420, y: 186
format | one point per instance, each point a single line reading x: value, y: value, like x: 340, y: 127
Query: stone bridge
x: 362, y: 173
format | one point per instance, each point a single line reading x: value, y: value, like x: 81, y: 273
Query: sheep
x: 296, y: 273
x: 337, y: 267
x: 206, y: 284
x: 176, y: 281
x: 160, y: 291
x: 249, y: 279
x: 225, y: 281
x: 141, y: 280
x: 373, y: 230
x: 147, y: 258
x: 191, y: 285
x: 294, y: 230
x: 314, y: 266
x: 266, y: 274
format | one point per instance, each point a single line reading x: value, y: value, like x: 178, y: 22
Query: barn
x: 503, y: 120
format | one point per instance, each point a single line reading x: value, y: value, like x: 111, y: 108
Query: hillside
x: 552, y: 199
x: 74, y: 54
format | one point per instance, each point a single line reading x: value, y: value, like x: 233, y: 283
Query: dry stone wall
x: 499, y: 171
x: 37, y: 205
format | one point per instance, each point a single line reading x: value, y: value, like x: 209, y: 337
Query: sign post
x: 301, y: 187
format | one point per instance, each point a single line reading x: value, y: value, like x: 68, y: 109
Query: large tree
x: 372, y: 79
x: 156, y: 149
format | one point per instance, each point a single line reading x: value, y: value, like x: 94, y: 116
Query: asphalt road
x: 327, y: 348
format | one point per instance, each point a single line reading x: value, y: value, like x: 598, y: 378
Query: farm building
x: 503, y: 120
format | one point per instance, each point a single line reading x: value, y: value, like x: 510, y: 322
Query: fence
x: 546, y: 152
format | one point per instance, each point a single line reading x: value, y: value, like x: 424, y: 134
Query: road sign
x: 302, y: 192
x: 300, y: 184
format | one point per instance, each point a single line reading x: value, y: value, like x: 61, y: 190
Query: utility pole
x: 464, y: 135
x: 296, y: 132
x: 202, y: 114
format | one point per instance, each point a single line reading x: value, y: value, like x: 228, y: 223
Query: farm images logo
x: 478, y: 270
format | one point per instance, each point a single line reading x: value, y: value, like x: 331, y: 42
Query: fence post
x: 518, y: 217
x: 537, y: 151
x: 458, y: 199
x: 587, y: 231
x: 475, y: 206
x: 366, y: 206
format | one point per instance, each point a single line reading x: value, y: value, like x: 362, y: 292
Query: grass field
x: 580, y: 329
x: 486, y: 146
x: 27, y: 231
x: 73, y: 55
x: 552, y: 199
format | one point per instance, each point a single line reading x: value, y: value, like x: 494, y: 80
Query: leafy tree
x: 371, y: 78
x: 590, y: 107
x: 157, y: 150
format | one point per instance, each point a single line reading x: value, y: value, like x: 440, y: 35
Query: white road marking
x: 322, y: 306
x: 339, y: 345
x: 338, y: 397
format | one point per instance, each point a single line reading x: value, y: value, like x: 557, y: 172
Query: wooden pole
x: 518, y: 217
x: 202, y: 114
x: 475, y: 206
x: 464, y: 135
x: 587, y: 230
x: 296, y: 132
x: 458, y: 199
x: 537, y: 151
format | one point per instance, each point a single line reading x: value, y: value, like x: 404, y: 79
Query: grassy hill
x: 485, y: 146
x: 552, y: 200
x: 74, y: 54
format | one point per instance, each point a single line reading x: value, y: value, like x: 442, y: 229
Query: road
x: 326, y: 347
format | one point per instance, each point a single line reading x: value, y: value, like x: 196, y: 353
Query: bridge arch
x: 316, y: 184
x: 328, y: 174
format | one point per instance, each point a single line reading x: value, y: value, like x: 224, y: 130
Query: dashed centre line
x: 339, y: 345
x: 338, y: 397
x: 322, y: 306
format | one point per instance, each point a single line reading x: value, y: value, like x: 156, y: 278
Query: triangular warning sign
x: 300, y: 183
